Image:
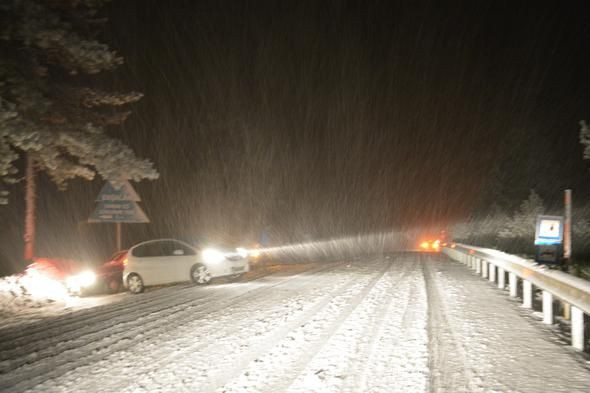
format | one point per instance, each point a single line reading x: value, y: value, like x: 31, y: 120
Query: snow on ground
x: 503, y: 350
x: 21, y: 292
x: 27, y: 298
x: 401, y: 323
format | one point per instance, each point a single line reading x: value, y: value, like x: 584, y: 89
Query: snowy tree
x: 462, y: 231
x: 47, y: 52
x: 522, y: 224
x: 48, y: 108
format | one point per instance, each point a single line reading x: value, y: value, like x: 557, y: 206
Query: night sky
x: 318, y: 119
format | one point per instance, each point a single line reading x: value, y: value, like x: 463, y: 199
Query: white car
x: 166, y: 261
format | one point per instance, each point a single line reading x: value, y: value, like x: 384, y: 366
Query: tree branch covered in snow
x: 47, y: 53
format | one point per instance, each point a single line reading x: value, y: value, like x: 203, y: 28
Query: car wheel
x: 135, y: 283
x: 200, y: 274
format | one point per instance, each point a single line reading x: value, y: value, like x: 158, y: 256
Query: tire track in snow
x: 17, y: 337
x: 397, y: 360
x: 338, y: 364
x: 89, y: 329
x: 450, y: 369
x: 94, y: 347
x: 295, y: 345
x: 230, y: 355
x: 393, y: 315
x: 234, y: 323
x: 44, y: 345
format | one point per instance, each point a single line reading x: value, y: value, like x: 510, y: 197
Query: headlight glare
x: 81, y: 280
x: 242, y: 251
x: 211, y: 255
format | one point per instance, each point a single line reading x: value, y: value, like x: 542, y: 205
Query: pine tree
x: 48, y: 52
x: 48, y: 108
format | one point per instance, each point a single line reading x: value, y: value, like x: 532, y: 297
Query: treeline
x: 514, y: 232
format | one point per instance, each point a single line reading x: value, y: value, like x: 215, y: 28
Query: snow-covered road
x: 399, y: 323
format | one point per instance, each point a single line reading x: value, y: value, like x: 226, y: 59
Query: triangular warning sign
x: 118, y: 192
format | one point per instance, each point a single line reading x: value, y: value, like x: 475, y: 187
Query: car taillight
x: 125, y: 262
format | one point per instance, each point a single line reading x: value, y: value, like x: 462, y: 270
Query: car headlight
x: 81, y: 280
x: 242, y: 251
x: 211, y: 255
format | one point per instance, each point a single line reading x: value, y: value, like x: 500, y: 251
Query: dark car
x: 109, y: 275
x: 80, y: 279
x: 73, y: 275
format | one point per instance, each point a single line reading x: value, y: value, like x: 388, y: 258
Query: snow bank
x: 23, y: 292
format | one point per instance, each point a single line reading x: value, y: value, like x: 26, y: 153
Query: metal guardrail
x: 574, y: 292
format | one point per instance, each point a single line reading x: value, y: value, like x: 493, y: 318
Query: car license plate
x: 237, y: 268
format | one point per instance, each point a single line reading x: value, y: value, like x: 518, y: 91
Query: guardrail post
x: 527, y: 294
x: 501, y: 278
x: 484, y: 269
x: 577, y: 328
x: 492, y: 272
x: 547, y: 307
x: 477, y: 266
x: 513, y: 279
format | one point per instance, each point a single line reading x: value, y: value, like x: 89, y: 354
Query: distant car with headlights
x: 167, y: 261
x: 430, y: 246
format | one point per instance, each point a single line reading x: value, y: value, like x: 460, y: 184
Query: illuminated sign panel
x: 549, y: 230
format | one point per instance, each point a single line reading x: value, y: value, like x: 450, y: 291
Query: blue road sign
x: 118, y: 211
x: 549, y: 230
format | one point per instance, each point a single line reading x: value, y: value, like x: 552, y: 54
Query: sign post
x: 567, y: 234
x: 117, y: 203
x: 567, y: 242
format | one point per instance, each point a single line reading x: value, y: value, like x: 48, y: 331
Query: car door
x: 151, y: 260
x: 181, y: 258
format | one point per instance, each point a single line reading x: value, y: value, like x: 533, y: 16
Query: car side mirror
x: 178, y: 252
